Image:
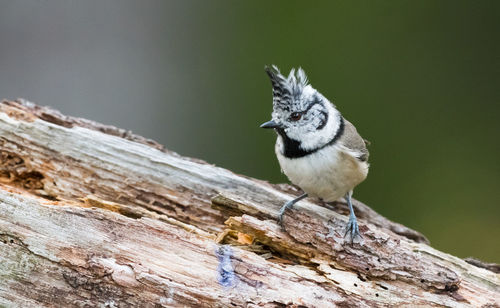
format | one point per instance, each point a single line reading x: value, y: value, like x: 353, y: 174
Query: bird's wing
x: 353, y: 142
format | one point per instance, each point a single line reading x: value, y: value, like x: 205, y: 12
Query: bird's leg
x: 352, y: 225
x: 288, y: 205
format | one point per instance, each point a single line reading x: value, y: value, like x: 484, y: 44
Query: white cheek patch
x: 316, y: 138
x: 306, y: 130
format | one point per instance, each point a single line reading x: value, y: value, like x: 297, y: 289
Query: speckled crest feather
x: 286, y: 90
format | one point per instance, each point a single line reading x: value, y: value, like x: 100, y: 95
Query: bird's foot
x: 352, y: 229
x: 282, y: 211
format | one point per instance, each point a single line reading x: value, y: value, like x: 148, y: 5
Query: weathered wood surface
x: 91, y: 215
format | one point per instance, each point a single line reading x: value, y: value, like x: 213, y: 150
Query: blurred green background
x: 419, y: 79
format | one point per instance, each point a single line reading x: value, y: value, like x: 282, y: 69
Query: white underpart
x: 329, y: 173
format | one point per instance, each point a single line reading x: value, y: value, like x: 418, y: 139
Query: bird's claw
x: 282, y: 211
x: 286, y: 206
x: 352, y: 229
x: 280, y: 218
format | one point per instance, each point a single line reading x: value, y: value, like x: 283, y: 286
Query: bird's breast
x: 328, y: 173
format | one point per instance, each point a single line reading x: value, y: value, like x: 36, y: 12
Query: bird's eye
x: 295, y: 116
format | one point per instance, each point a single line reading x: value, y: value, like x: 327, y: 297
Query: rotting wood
x: 95, y: 215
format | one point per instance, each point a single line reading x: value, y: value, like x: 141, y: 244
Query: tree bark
x: 92, y: 215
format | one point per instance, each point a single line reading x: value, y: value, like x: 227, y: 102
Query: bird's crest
x: 286, y: 89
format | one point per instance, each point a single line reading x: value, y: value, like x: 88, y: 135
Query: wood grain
x: 92, y: 215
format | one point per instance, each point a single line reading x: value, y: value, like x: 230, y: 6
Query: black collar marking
x: 292, y: 147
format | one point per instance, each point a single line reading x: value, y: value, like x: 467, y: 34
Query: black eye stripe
x: 323, y: 121
x: 312, y: 105
x: 315, y: 102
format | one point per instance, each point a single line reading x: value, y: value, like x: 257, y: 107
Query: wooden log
x: 92, y: 215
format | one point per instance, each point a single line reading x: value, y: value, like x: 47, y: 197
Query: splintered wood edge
x: 138, y: 212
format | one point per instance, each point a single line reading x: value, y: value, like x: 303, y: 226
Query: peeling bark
x: 92, y: 215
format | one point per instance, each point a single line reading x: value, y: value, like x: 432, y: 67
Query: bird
x: 317, y: 148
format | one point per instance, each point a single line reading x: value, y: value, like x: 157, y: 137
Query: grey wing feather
x: 353, y: 141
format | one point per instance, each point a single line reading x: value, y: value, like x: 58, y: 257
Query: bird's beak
x: 270, y: 124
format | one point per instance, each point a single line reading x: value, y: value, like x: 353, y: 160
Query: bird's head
x: 300, y: 112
